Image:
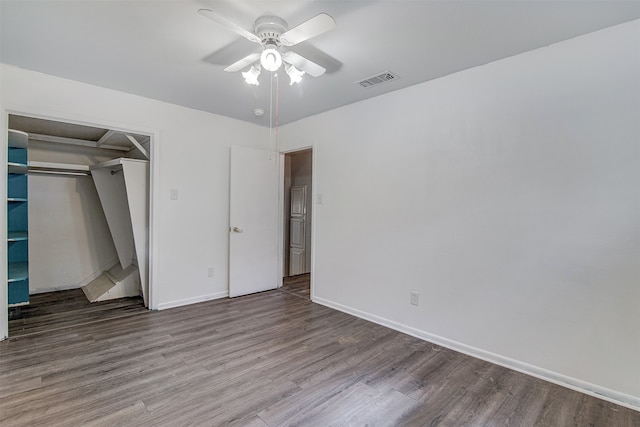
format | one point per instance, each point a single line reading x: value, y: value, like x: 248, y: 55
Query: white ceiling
x: 165, y: 50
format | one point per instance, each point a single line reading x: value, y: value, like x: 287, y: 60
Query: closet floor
x: 298, y: 285
x: 64, y: 309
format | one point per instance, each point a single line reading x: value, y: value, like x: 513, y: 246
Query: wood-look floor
x: 297, y: 285
x: 64, y: 309
x: 269, y: 359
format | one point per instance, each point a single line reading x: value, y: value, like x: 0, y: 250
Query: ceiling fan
x: 272, y: 33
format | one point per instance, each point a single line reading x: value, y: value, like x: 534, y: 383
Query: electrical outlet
x: 414, y: 299
x: 210, y: 271
x: 173, y: 194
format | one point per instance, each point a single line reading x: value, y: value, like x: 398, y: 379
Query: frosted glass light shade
x: 294, y: 74
x: 270, y: 59
x: 251, y: 76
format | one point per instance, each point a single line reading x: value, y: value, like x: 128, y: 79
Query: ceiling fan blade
x: 303, y: 64
x: 315, y: 26
x: 244, y: 62
x: 229, y: 25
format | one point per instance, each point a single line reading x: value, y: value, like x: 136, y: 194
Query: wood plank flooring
x: 269, y: 359
x: 297, y: 285
x: 63, y: 309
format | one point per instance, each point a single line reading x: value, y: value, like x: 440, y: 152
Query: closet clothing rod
x: 58, y: 172
x: 57, y: 168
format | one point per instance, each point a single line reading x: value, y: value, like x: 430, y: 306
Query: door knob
x: 236, y: 230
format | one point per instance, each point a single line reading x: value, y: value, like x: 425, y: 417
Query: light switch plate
x: 414, y: 298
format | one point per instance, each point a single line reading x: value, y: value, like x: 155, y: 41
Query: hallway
x: 299, y: 285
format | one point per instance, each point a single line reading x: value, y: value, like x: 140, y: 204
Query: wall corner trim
x: 581, y: 386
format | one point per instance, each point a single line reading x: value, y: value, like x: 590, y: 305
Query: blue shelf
x: 17, y: 139
x: 17, y: 186
x: 17, y: 219
x: 17, y: 168
x: 18, y: 271
x: 17, y: 216
x: 15, y: 236
x: 18, y: 292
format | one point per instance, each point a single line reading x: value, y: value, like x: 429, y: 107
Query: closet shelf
x: 116, y: 163
x: 17, y: 284
x: 18, y: 271
x: 14, y: 236
x: 17, y: 139
x: 14, y: 167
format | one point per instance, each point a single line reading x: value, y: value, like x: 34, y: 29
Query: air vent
x: 385, y: 77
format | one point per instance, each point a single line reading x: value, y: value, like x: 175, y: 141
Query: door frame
x: 281, y: 232
x: 154, y: 180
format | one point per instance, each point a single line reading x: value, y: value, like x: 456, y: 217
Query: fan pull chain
x: 270, y: 111
x: 277, y: 108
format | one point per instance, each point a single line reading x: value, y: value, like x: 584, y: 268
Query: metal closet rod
x: 58, y: 172
x: 57, y: 168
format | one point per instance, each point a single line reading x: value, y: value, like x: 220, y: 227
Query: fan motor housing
x: 269, y: 28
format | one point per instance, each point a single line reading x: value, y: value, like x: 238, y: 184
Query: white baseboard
x: 53, y: 289
x: 600, y: 392
x: 194, y: 300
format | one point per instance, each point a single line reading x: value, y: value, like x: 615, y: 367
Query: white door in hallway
x: 253, y: 233
x: 297, y: 233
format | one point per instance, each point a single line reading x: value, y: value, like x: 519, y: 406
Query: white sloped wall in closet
x: 70, y: 239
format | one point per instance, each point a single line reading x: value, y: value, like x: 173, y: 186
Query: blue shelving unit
x: 17, y: 219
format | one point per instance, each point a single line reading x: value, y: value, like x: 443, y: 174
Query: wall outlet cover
x: 414, y: 298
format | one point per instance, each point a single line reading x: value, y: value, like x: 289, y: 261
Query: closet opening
x: 297, y: 216
x: 77, y: 223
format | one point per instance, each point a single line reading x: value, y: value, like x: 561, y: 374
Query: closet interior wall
x: 70, y: 240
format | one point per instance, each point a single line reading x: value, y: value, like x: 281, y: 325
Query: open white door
x: 253, y: 239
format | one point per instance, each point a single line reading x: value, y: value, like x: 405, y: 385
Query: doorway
x: 70, y: 245
x: 297, y: 226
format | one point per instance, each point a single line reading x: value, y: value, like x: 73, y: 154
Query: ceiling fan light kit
x: 271, y: 32
x: 294, y: 74
x: 251, y: 76
x: 270, y: 59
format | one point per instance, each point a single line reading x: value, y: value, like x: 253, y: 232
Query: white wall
x: 507, y: 196
x: 69, y: 240
x: 190, y: 153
